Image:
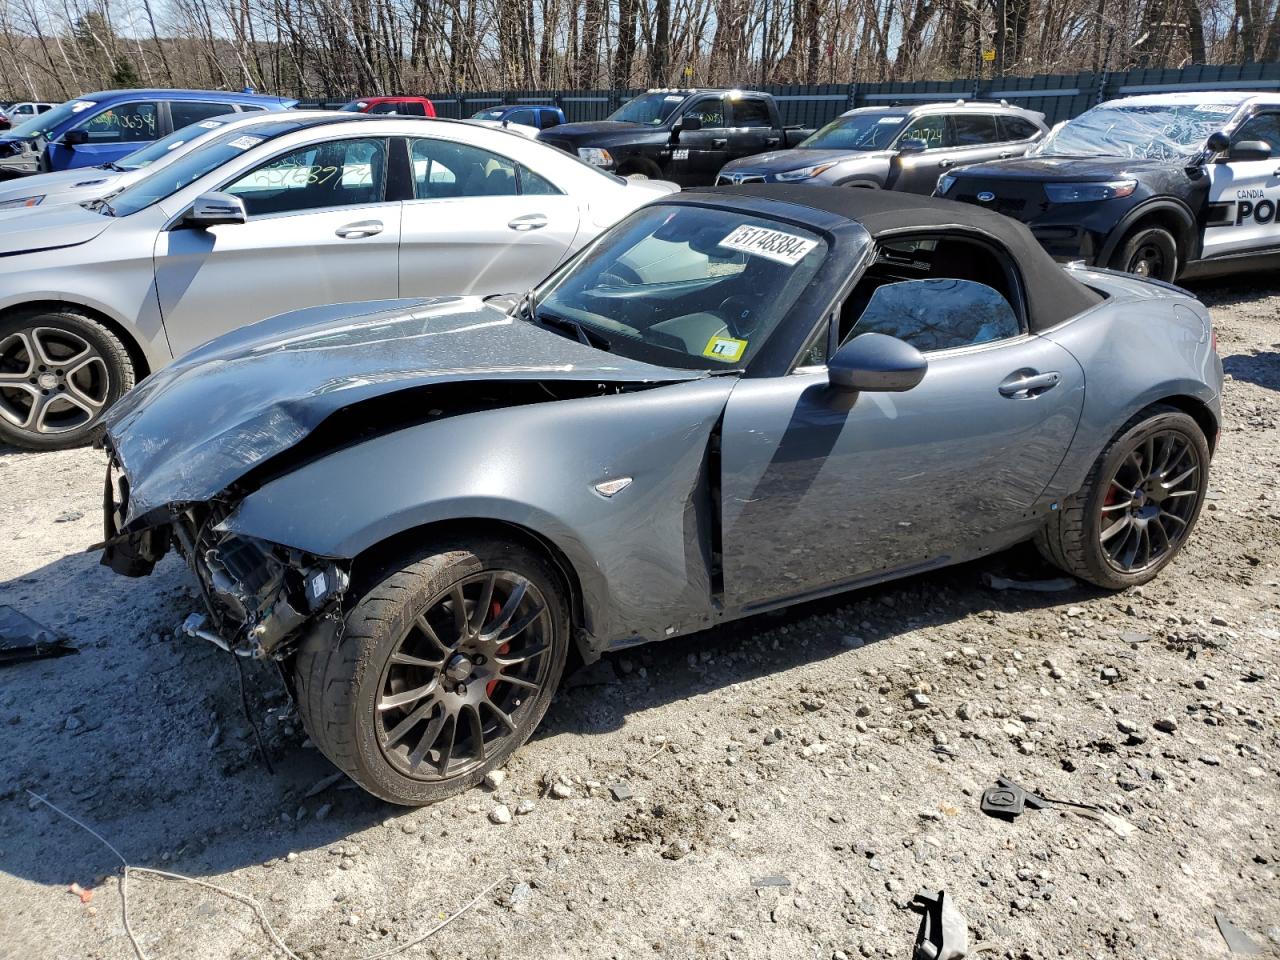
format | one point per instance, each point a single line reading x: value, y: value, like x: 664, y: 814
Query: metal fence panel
x: 1057, y: 96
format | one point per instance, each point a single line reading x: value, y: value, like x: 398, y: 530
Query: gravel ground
x: 769, y: 789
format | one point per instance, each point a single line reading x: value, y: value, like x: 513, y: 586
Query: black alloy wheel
x: 462, y: 674
x: 1150, y: 502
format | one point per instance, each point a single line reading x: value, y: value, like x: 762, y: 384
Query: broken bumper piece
x: 259, y: 595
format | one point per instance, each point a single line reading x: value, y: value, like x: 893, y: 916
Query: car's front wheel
x: 442, y: 669
x: 1149, y: 252
x: 59, y: 371
x: 1138, y: 505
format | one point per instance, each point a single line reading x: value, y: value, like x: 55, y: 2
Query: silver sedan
x: 303, y: 211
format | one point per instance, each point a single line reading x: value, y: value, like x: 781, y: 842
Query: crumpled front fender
x: 642, y: 556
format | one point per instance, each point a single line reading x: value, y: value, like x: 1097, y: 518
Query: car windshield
x: 184, y: 171
x: 355, y: 106
x: 682, y: 286
x: 1143, y: 132
x: 650, y: 109
x: 42, y: 123
x: 495, y: 114
x: 861, y: 131
x: 165, y: 145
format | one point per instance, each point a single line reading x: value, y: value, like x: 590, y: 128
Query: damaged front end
x: 259, y: 595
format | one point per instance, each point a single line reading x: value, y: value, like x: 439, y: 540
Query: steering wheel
x: 625, y: 275
x: 739, y: 314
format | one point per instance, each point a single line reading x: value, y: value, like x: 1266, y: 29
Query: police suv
x: 1165, y: 186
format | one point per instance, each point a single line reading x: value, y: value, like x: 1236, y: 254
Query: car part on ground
x: 707, y: 414
x: 300, y: 209
x: 1162, y: 185
x: 896, y: 148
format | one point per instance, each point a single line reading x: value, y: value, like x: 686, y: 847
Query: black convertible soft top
x: 1052, y: 294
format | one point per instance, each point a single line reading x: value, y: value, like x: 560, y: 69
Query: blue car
x: 100, y: 128
x: 537, y: 115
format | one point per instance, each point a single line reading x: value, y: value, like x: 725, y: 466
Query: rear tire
x: 1148, y: 252
x: 1138, y: 505
x: 400, y: 701
x: 59, y: 372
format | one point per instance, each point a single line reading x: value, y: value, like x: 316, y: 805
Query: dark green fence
x: 1058, y: 97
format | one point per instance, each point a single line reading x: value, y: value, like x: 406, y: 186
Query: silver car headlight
x: 945, y: 183
x: 34, y: 201
x: 804, y: 173
x: 597, y: 156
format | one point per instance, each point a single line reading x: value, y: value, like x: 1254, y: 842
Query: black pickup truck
x: 680, y: 135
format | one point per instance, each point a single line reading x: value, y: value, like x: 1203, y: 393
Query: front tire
x: 59, y: 372
x: 1138, y: 504
x: 1149, y: 252
x: 442, y: 670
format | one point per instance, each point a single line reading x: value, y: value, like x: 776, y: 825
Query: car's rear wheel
x: 1138, y: 505
x: 443, y: 668
x: 1149, y: 252
x: 59, y: 372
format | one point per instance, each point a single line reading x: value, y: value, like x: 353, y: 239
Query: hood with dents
x: 591, y: 132
x: 28, y: 231
x: 191, y: 430
x: 1061, y: 169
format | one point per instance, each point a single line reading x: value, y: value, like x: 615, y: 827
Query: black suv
x: 1165, y: 186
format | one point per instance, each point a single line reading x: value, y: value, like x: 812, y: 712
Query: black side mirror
x: 912, y: 145
x: 689, y: 123
x: 1250, y: 150
x: 1217, y: 142
x: 74, y: 138
x: 877, y: 363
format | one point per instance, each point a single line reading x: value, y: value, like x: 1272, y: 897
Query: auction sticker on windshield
x: 244, y: 143
x: 772, y: 244
x: 725, y: 348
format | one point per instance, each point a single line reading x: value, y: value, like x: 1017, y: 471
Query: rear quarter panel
x: 1143, y: 345
x: 642, y: 557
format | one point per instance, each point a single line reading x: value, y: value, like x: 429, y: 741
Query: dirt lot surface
x: 766, y: 790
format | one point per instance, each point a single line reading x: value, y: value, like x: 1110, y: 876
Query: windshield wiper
x: 101, y: 205
x: 563, y: 325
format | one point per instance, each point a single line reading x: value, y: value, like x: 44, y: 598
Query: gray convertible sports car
x: 731, y: 402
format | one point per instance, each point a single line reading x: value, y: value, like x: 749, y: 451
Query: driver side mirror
x: 913, y: 145
x: 74, y: 138
x: 1217, y: 142
x: 213, y: 209
x: 688, y: 123
x: 1250, y: 150
x: 877, y: 363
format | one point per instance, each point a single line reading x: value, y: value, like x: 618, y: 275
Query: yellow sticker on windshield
x: 725, y: 348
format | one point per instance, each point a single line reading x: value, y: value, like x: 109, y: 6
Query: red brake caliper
x: 492, y: 684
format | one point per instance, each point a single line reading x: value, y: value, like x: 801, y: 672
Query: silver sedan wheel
x: 51, y: 380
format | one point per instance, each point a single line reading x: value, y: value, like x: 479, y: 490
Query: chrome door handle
x: 1025, y: 386
x: 771, y: 142
x: 1005, y: 156
x: 720, y: 142
x: 947, y: 162
x: 357, y: 231
x: 530, y: 221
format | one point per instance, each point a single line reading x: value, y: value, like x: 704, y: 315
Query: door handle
x: 946, y: 162
x: 357, y: 231
x: 720, y: 142
x: 1005, y: 156
x: 772, y: 141
x: 530, y: 221
x: 1024, y: 385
